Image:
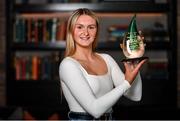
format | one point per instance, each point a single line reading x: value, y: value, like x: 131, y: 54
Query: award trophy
x: 133, y: 46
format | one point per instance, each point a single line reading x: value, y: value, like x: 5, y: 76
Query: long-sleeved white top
x: 96, y: 94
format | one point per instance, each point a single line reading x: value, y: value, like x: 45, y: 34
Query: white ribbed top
x: 95, y: 94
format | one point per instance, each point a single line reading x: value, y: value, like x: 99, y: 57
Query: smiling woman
x: 85, y: 31
x: 93, y: 82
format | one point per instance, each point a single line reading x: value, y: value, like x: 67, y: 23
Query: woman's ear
x: 121, y: 46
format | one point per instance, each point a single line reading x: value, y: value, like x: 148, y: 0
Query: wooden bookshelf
x: 157, y: 92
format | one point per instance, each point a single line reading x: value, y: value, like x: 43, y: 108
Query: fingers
x: 131, y: 70
x: 134, y: 65
x: 141, y: 37
x: 125, y: 65
x: 139, y: 65
x: 129, y: 66
x: 140, y: 32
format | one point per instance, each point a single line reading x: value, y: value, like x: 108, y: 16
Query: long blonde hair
x: 70, y: 44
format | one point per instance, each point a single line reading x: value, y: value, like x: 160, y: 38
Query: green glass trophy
x: 133, y: 45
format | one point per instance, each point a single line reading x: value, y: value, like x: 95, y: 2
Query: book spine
x: 35, y: 68
x: 17, y: 67
x: 54, y: 29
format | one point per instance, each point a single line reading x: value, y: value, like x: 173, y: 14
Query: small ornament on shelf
x: 133, y: 45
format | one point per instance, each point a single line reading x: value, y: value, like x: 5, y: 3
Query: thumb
x: 139, y: 65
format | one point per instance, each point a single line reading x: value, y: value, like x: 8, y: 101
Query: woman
x: 93, y: 82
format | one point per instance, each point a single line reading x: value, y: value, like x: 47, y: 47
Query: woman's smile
x: 85, y: 31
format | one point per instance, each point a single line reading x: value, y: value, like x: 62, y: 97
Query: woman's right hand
x: 132, y: 69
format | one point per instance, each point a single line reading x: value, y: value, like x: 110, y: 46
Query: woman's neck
x: 84, y: 54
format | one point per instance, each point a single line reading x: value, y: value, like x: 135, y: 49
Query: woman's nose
x: 85, y: 31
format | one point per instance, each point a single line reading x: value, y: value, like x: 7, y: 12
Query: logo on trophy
x: 133, y: 45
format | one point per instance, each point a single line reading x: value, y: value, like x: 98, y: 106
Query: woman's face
x: 85, y: 31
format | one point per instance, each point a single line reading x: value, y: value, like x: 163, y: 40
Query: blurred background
x: 32, y: 35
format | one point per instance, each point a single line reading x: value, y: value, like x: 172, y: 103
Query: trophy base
x: 134, y: 59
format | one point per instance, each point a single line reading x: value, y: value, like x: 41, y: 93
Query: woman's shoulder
x: 106, y: 56
x: 67, y: 62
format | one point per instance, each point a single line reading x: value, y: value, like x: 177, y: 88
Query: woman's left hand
x: 132, y: 69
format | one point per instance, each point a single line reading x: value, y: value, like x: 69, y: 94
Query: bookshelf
x: 39, y: 86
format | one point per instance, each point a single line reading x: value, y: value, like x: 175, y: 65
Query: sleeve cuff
x: 126, y: 84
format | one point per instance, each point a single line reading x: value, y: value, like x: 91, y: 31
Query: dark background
x: 44, y: 100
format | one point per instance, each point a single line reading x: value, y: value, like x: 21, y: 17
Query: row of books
x: 36, y: 67
x: 117, y: 32
x: 36, y: 30
x: 154, y: 34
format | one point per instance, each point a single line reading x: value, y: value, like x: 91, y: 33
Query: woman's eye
x: 92, y: 27
x: 79, y: 27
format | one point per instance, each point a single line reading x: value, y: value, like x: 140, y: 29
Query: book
x: 35, y: 67
x: 61, y: 30
x: 116, y: 32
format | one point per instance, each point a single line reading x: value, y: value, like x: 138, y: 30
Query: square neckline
x: 99, y: 75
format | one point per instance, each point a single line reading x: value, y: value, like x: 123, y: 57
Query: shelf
x: 149, y: 46
x: 98, y: 7
x: 101, y: 46
x: 65, y: 15
x: 39, y: 82
x: 157, y: 89
x: 38, y: 46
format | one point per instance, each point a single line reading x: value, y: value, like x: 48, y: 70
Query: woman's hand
x: 132, y: 69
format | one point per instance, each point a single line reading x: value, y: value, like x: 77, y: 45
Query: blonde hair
x: 70, y: 44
